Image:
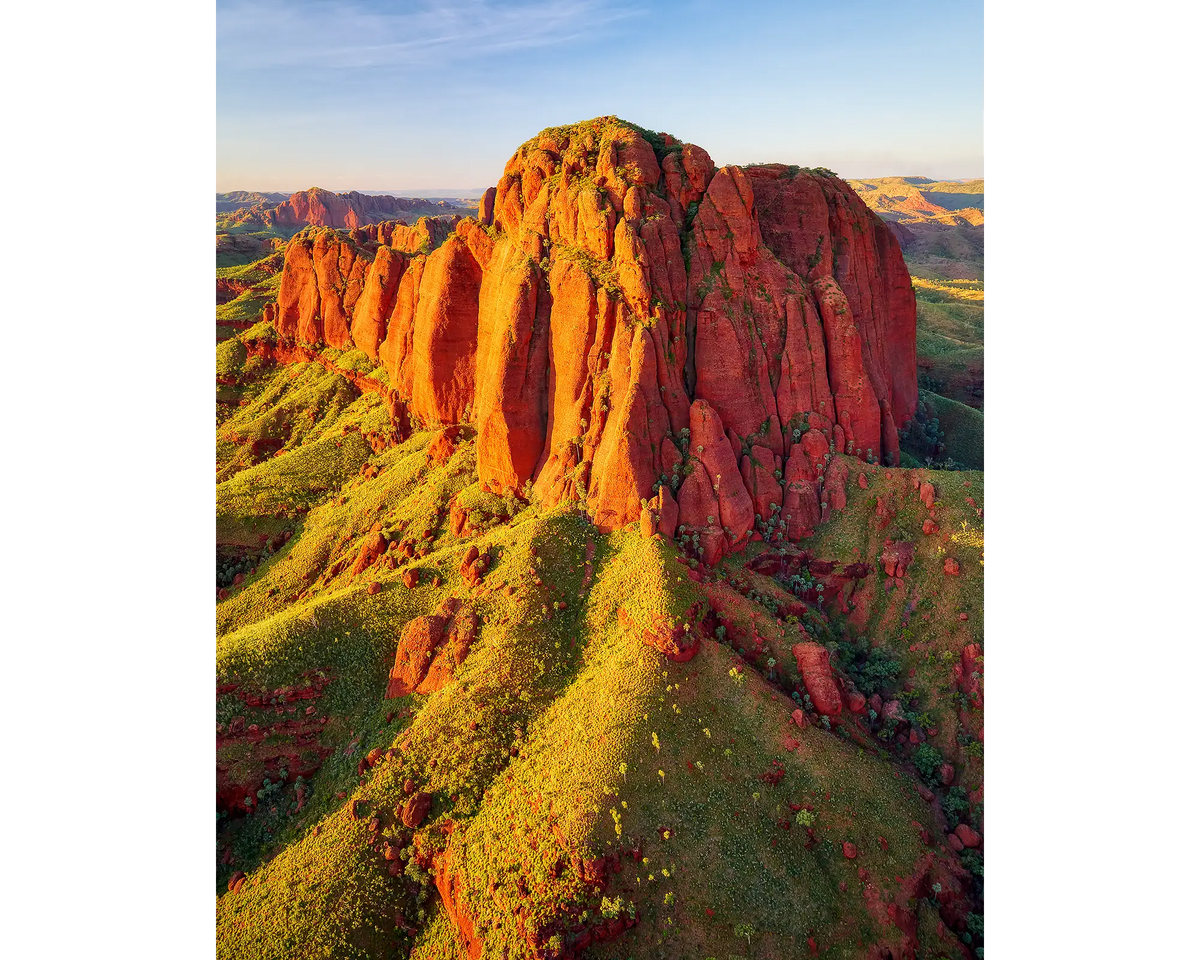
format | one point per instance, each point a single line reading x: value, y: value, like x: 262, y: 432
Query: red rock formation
x: 474, y: 565
x: 444, y: 335
x: 424, y: 236
x: 813, y: 661
x: 450, y: 884
x: 323, y: 275
x: 511, y: 362
x: 415, y: 809
x: 374, y: 307
x: 419, y: 640
x: 711, y: 445
x: 581, y: 341
x: 456, y: 643
x: 668, y: 513
x: 431, y: 648
x: 969, y: 673
x: 487, y: 204
x: 396, y: 351
x: 373, y: 547
x: 896, y: 557
x: 441, y: 448
x: 675, y: 641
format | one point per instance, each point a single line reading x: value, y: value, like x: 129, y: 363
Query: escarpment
x: 624, y: 317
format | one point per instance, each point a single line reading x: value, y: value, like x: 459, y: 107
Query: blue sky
x: 438, y: 94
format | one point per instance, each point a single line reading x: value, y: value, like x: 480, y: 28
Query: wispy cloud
x: 349, y: 34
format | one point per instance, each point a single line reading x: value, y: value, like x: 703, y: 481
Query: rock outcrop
x: 424, y: 236
x: 813, y: 661
x: 431, y: 648
x: 625, y: 318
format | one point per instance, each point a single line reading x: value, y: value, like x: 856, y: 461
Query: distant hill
x: 917, y: 199
x: 324, y: 208
x: 464, y: 195
x: 239, y: 199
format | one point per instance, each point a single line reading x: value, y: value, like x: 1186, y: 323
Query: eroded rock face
x: 323, y: 277
x: 607, y: 300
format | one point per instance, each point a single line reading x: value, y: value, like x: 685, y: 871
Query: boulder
x: 896, y: 557
x: 415, y: 809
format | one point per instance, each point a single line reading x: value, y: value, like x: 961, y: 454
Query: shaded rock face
x: 607, y: 300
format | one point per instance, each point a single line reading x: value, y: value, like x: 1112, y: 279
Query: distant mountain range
x: 240, y: 199
x: 318, y: 207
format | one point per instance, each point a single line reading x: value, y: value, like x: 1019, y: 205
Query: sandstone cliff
x: 623, y: 318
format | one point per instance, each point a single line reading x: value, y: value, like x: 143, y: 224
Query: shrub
x: 927, y: 759
x: 955, y: 805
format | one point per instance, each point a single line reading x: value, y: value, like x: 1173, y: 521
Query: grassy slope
x: 549, y: 742
x: 950, y: 346
x: 261, y: 277
x: 946, y: 263
x: 933, y: 627
x: 963, y: 426
x: 587, y: 697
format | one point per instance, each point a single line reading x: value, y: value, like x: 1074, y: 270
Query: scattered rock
x: 896, y: 557
x: 373, y: 547
x: 415, y: 809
